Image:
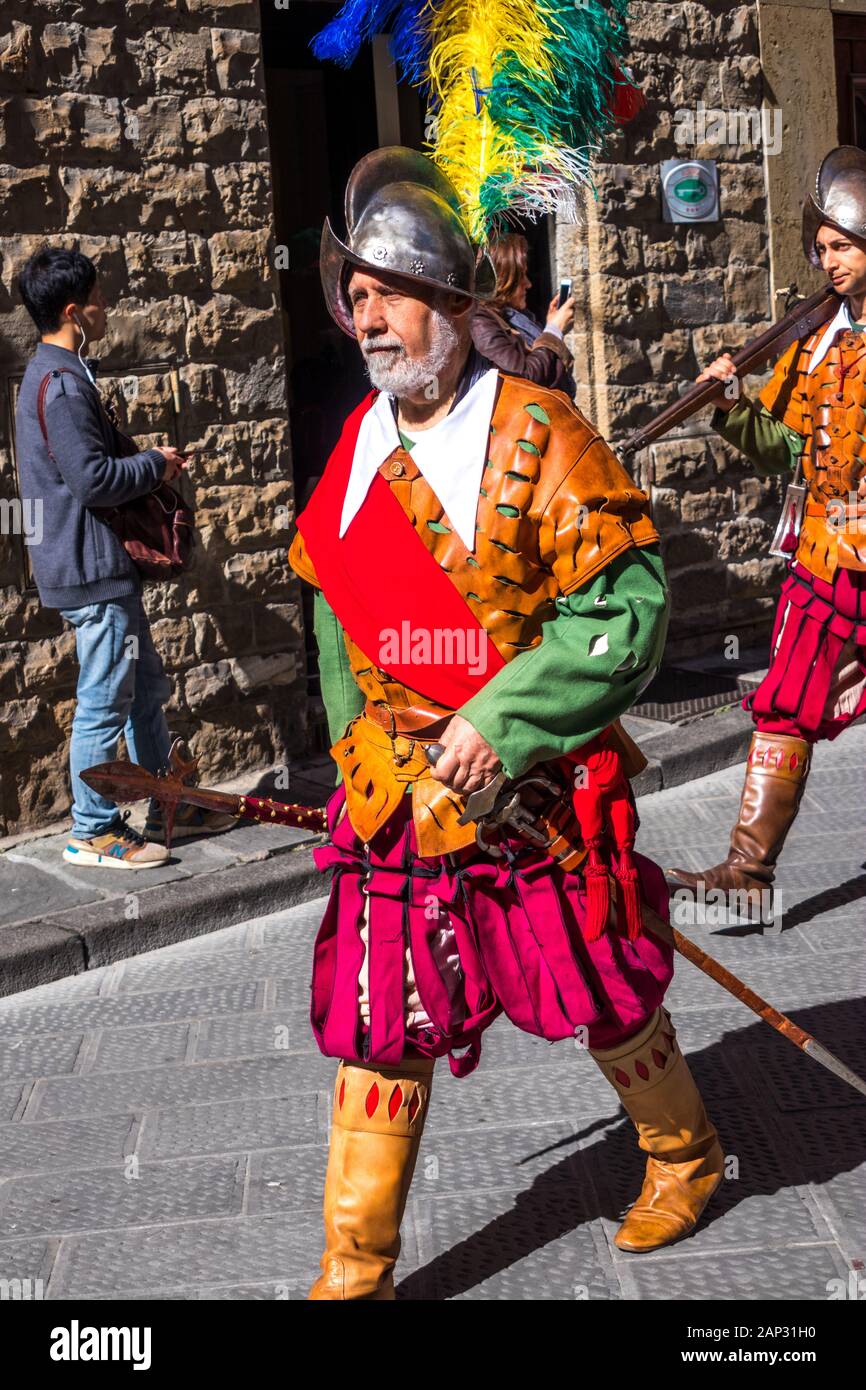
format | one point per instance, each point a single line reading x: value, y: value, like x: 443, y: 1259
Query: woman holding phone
x: 509, y: 337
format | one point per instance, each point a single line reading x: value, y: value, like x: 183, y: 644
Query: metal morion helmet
x: 402, y: 216
x: 839, y: 197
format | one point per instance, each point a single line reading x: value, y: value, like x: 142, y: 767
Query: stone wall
x: 138, y: 133
x: 657, y: 301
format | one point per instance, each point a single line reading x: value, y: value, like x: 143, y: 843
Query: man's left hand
x: 468, y: 761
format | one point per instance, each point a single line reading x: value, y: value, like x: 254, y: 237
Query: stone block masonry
x: 137, y: 132
x: 656, y: 302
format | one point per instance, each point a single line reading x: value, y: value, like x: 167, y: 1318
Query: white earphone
x: 81, y: 347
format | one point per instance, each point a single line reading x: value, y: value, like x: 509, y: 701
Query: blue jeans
x: 122, y: 687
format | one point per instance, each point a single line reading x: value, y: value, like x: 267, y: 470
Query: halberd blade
x: 827, y: 1059
x: 122, y: 781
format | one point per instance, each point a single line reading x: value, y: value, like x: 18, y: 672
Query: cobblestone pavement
x: 163, y: 1121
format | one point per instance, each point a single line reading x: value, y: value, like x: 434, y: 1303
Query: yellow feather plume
x: 469, y: 38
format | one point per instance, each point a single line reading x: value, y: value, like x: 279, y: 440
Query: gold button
x: 397, y: 469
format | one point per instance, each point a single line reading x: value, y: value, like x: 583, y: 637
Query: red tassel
x: 627, y: 98
x: 628, y: 895
x: 595, y: 876
x: 790, y: 539
x: 593, y: 801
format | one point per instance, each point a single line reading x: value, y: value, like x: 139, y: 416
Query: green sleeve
x: 342, y: 698
x: 771, y: 446
x: 595, y: 657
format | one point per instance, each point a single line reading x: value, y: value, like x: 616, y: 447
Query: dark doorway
x: 849, y: 41
x: 321, y: 120
x: 538, y: 265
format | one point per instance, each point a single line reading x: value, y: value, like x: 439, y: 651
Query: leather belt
x: 415, y: 721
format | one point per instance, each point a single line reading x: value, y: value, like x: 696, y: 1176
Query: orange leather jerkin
x: 828, y: 408
x: 556, y: 507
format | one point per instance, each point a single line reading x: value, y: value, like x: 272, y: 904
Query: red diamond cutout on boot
x: 659, y: 1058
x: 642, y: 1070
x: 395, y: 1102
x: 414, y: 1105
x: 342, y: 1095
x: 372, y: 1100
x: 622, y: 1077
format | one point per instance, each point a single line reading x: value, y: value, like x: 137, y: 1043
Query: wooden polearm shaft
x: 124, y: 781
x: 799, y: 322
x: 746, y: 995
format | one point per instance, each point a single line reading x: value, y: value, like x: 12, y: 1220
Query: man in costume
x: 810, y: 417
x: 490, y: 598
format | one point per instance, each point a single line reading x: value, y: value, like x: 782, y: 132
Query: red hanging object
x: 628, y: 895
x: 789, y: 542
x: 596, y: 878
x: 627, y: 98
x: 623, y: 829
x: 603, y: 806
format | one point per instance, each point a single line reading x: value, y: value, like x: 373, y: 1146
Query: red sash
x: 381, y: 575
x: 387, y: 590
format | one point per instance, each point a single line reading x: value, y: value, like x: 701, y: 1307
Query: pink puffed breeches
x: 424, y: 953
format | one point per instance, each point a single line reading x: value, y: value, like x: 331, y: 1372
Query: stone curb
x: 94, y: 934
x: 82, y: 938
x: 681, y: 752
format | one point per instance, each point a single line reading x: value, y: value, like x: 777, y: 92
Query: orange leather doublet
x: 556, y: 507
x: 831, y: 416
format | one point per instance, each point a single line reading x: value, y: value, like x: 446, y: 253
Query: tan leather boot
x: 377, y: 1125
x: 776, y: 772
x: 686, y: 1163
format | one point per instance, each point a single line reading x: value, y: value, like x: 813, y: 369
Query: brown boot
x: 377, y: 1125
x: 686, y: 1163
x: 776, y: 772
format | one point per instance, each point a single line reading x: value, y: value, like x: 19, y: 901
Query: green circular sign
x: 691, y: 190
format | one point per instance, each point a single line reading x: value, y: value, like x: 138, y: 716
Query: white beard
x: 399, y: 374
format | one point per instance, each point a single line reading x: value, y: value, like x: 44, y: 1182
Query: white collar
x: 841, y: 322
x: 450, y: 455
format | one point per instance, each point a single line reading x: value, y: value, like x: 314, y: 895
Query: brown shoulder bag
x: 156, y: 530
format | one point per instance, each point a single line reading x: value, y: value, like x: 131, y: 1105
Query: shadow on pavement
x: 786, y: 1119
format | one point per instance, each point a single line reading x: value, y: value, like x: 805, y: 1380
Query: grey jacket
x: 78, y: 559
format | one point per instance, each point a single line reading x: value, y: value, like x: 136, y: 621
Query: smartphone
x: 564, y: 292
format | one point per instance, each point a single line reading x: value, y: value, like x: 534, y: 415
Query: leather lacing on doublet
x: 827, y: 407
x: 555, y: 508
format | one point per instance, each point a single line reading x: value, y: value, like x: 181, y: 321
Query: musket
x: 801, y: 321
x: 124, y: 781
